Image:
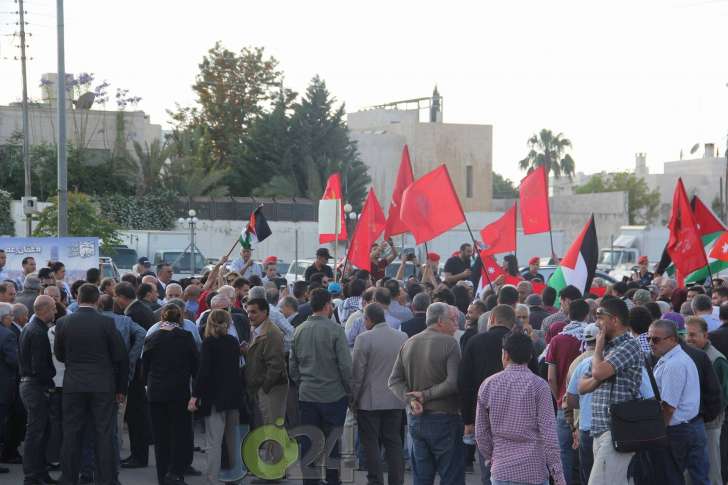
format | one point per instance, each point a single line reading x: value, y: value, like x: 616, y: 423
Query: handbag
x: 638, y: 424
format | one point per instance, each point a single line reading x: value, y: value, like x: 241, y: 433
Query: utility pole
x: 26, y: 129
x: 62, y: 166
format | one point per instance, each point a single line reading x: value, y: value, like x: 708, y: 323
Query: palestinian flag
x: 579, y: 264
x: 256, y: 231
x: 710, y: 229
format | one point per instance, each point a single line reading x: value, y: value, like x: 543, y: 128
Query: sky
x: 616, y: 78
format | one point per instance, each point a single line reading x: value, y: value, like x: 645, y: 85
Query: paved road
x: 147, y: 476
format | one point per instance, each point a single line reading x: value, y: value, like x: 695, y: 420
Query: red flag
x: 538, y: 287
x: 490, y: 270
x: 333, y: 191
x: 598, y: 290
x: 705, y: 220
x: 430, y: 206
x: 534, y: 197
x: 720, y: 248
x: 684, y: 246
x: 370, y: 226
x: 405, y: 178
x: 500, y: 236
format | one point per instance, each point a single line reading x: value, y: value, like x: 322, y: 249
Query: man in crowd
x: 475, y: 310
x: 615, y: 376
x: 7, y: 292
x: 36, y: 382
x: 525, y: 288
x: 417, y: 323
x: 245, y: 266
x: 536, y: 311
x: 697, y: 336
x: 31, y: 290
x: 533, y: 274
x: 28, y: 265
x: 425, y: 377
x: 320, y: 265
x: 398, y: 306
x: 481, y: 359
x: 719, y: 296
x: 265, y: 369
x: 289, y: 309
x: 274, y: 314
x: 458, y: 266
x: 148, y: 294
x: 703, y: 308
x: 677, y: 380
x: 8, y: 377
x: 320, y: 365
x: 566, y: 296
x: 378, y: 411
x: 643, y: 275
x: 164, y: 275
x: 563, y: 349
x: 667, y: 288
x: 501, y: 411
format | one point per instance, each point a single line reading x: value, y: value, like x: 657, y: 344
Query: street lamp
x: 191, y: 221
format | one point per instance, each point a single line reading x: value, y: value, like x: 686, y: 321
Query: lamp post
x: 191, y: 221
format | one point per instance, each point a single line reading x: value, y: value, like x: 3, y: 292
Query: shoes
x: 133, y: 463
x: 170, y: 479
x: 85, y: 479
x: 190, y: 471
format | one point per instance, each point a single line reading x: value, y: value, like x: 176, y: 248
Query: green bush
x: 7, y: 226
x: 153, y: 211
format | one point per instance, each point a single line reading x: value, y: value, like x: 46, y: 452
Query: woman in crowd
x: 218, y: 390
x: 170, y: 359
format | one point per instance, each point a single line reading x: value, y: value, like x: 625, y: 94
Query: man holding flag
x: 254, y: 232
x: 245, y: 266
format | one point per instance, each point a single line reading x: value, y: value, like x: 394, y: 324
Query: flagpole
x: 231, y: 249
x: 710, y: 273
x: 553, y: 253
x: 336, y: 238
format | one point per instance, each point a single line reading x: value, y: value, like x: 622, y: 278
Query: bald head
x: 173, y: 290
x: 219, y: 302
x: 45, y: 308
x: 150, y: 280
x: 53, y: 292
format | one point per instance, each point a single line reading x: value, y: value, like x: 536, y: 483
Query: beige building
x: 90, y: 128
x: 466, y: 150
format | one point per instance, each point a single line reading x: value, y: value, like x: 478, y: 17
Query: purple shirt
x: 515, y: 427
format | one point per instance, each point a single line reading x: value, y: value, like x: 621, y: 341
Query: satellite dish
x: 85, y: 101
x: 694, y: 148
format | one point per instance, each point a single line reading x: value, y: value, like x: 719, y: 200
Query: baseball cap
x: 643, y: 260
x: 590, y: 332
x: 270, y: 259
x: 533, y: 260
x: 144, y: 261
x: 323, y: 252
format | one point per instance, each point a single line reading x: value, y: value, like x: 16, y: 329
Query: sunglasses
x: 656, y: 340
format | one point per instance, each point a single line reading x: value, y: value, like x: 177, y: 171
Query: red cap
x: 534, y: 260
x: 433, y: 257
x: 643, y: 260
x: 270, y: 259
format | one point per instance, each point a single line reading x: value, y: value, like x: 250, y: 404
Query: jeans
x: 568, y: 454
x: 384, y: 426
x: 437, y: 447
x: 36, y: 400
x: 586, y: 455
x: 484, y: 470
x: 327, y: 417
x: 689, y: 450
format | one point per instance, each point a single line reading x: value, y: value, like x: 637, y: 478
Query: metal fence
x: 239, y: 208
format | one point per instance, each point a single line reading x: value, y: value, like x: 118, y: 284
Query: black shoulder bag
x: 638, y: 424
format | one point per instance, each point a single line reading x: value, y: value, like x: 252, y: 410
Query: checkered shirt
x: 625, y: 355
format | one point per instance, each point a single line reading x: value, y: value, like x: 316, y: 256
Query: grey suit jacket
x: 375, y: 352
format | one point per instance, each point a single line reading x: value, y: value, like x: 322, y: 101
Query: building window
x: 469, y: 181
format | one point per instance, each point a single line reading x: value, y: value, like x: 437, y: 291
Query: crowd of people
x: 429, y: 370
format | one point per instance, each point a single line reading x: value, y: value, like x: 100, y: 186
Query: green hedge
x: 7, y: 226
x: 154, y: 211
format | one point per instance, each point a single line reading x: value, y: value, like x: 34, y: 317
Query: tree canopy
x: 643, y: 202
x: 503, y: 188
x: 549, y: 150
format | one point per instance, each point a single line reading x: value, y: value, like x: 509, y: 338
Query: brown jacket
x: 265, y: 362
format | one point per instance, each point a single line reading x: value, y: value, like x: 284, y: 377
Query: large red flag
x: 490, y: 269
x: 684, y: 246
x: 370, y: 226
x: 430, y: 206
x: 534, y: 197
x: 720, y: 248
x: 705, y: 220
x: 405, y: 177
x: 331, y: 192
x: 500, y: 236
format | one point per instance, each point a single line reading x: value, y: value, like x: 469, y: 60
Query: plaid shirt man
x: 625, y: 355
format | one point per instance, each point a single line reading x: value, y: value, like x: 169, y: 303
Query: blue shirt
x: 713, y: 322
x: 585, y: 399
x: 358, y: 327
x: 679, y: 385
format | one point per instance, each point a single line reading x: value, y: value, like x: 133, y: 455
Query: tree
x: 549, y: 150
x: 503, y: 188
x: 233, y: 90
x: 643, y: 203
x: 84, y: 219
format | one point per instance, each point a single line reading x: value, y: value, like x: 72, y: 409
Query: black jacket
x: 95, y: 355
x: 141, y: 314
x: 414, y: 325
x: 719, y: 338
x: 34, y: 354
x: 240, y: 321
x: 8, y: 364
x: 481, y: 359
x: 218, y: 378
x: 170, y: 360
x: 536, y: 316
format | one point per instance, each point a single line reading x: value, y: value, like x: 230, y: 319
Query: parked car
x: 181, y: 261
x: 108, y: 269
x: 124, y: 257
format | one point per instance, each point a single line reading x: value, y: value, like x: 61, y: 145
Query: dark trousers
x: 35, y: 399
x: 688, y: 449
x: 327, y: 417
x: 14, y: 426
x: 724, y: 451
x: 382, y: 427
x: 55, y: 438
x: 88, y: 454
x: 437, y: 448
x: 172, y: 428
x: 137, y: 417
x: 78, y: 408
x: 4, y: 407
x: 586, y: 455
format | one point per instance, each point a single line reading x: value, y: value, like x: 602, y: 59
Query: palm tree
x: 150, y: 160
x: 549, y: 150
